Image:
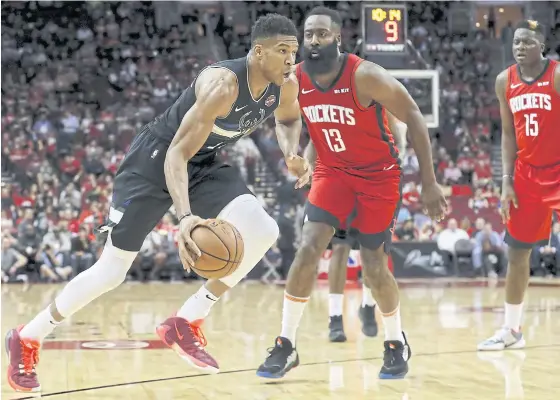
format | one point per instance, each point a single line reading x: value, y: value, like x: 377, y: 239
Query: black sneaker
x: 369, y: 324
x: 395, y: 359
x: 336, y: 329
x: 281, y: 359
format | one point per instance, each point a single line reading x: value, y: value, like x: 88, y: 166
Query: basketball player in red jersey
x: 343, y: 241
x: 529, y: 95
x: 343, y: 99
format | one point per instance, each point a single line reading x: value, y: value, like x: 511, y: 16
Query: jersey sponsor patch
x: 270, y: 100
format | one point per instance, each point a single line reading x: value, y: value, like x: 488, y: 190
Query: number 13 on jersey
x: 334, y: 140
x: 531, y: 125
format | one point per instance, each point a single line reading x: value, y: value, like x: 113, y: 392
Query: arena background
x: 80, y: 78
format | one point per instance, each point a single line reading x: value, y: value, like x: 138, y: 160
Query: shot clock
x: 384, y: 29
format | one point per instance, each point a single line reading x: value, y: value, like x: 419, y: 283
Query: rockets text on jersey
x: 535, y: 107
x: 345, y: 134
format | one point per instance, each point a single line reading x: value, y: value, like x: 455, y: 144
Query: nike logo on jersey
x: 389, y: 167
x: 516, y: 85
x: 530, y: 101
x: 239, y: 108
x: 303, y: 91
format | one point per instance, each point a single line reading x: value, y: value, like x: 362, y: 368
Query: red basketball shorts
x: 371, y: 197
x: 538, y: 195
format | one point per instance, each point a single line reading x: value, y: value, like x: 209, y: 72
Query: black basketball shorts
x: 349, y: 238
x: 140, y: 196
x: 346, y: 235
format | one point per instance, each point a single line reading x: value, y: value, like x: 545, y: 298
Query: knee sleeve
x: 113, y: 264
x: 106, y: 274
x: 258, y: 230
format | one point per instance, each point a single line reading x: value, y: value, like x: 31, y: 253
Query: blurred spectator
x: 13, y: 262
x: 59, y: 238
x: 52, y: 265
x: 488, y: 253
x: 452, y: 174
x: 427, y: 232
x: 407, y: 231
x: 466, y: 225
x: 478, y: 226
x: 448, y: 238
x: 545, y: 260
x: 82, y: 252
x: 478, y: 202
x: 410, y: 164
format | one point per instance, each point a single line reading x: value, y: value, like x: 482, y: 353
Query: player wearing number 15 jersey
x: 529, y: 95
x: 344, y: 101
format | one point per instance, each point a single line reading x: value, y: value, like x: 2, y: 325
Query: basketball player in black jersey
x: 172, y: 161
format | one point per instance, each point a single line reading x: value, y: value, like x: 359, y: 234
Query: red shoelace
x: 197, y: 333
x: 29, y: 356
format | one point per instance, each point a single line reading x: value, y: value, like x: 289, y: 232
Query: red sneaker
x: 24, y: 357
x: 188, y: 341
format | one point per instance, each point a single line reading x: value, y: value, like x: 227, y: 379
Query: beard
x: 323, y: 62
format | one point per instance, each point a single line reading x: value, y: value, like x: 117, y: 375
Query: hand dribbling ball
x: 221, y: 246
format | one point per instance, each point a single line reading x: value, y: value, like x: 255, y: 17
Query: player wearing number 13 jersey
x: 529, y: 95
x: 357, y: 163
x: 344, y: 101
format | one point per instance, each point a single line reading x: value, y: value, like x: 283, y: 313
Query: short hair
x: 532, y: 25
x: 333, y: 14
x: 271, y: 25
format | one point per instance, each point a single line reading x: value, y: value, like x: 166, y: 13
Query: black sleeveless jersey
x: 246, y: 114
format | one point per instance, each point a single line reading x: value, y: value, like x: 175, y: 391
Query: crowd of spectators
x: 80, y: 78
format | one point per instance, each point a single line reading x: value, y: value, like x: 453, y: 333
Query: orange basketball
x: 221, y: 246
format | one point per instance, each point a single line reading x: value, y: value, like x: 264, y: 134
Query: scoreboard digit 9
x: 384, y: 29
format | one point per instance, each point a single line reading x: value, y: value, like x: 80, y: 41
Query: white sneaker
x: 504, y: 338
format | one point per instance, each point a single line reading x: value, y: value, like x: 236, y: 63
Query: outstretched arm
x: 391, y: 94
x: 380, y: 86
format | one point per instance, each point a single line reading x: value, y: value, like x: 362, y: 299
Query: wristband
x: 507, y: 176
x: 185, y: 215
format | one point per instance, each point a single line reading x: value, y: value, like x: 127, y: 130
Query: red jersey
x: 345, y: 134
x: 536, y: 116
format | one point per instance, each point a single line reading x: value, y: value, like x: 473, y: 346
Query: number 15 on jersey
x: 531, y: 125
x: 334, y: 140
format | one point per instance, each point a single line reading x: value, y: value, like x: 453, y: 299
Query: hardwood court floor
x: 110, y: 351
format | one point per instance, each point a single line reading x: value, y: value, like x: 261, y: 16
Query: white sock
x: 336, y: 302
x: 367, y: 297
x: 106, y: 274
x: 40, y: 327
x: 198, y: 305
x: 291, y: 316
x: 513, y: 316
x: 392, y: 325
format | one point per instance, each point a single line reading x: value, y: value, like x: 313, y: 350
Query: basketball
x: 221, y: 246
